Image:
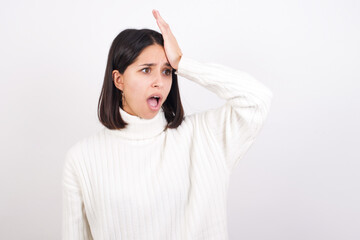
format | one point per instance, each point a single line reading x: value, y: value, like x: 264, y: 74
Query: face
x: 150, y: 74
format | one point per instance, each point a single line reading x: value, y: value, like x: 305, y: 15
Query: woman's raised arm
x: 233, y: 127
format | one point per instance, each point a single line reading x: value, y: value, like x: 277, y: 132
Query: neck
x: 140, y: 128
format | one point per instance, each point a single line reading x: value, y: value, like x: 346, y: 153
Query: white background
x: 300, y: 180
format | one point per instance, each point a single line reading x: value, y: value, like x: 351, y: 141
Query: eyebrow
x: 154, y: 64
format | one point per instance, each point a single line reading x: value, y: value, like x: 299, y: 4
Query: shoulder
x: 83, y: 145
x: 187, y: 124
x: 202, y: 118
x: 191, y: 124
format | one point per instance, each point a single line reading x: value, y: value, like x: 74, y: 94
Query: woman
x: 152, y: 173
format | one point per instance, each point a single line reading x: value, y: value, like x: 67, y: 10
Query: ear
x: 118, y: 79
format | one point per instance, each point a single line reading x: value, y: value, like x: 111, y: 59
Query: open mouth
x: 153, y: 102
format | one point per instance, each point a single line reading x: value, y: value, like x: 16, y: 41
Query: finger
x: 164, y: 27
x: 163, y: 23
x: 156, y: 16
x: 154, y: 13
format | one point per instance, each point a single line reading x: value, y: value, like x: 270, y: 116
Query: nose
x: 158, y: 81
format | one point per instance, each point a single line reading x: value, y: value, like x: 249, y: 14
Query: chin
x: 149, y: 115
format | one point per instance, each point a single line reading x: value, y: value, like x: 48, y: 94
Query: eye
x: 145, y: 69
x: 168, y: 72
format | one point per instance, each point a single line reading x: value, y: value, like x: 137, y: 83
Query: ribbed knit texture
x: 142, y: 182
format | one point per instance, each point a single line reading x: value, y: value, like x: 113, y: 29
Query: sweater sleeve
x: 74, y: 223
x: 234, y: 126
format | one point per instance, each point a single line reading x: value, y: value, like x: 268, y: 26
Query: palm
x: 171, y: 47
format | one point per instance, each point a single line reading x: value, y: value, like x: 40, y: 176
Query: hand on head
x: 171, y: 47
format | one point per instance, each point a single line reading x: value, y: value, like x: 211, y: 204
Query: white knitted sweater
x: 142, y: 182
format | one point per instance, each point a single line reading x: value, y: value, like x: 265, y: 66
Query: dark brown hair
x: 124, y: 50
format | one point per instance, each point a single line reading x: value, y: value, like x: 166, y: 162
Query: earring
x: 122, y: 96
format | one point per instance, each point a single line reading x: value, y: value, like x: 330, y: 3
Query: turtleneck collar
x: 140, y: 128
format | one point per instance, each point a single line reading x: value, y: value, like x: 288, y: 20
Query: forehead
x: 152, y: 54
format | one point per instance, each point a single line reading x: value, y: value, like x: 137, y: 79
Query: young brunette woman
x: 151, y: 172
